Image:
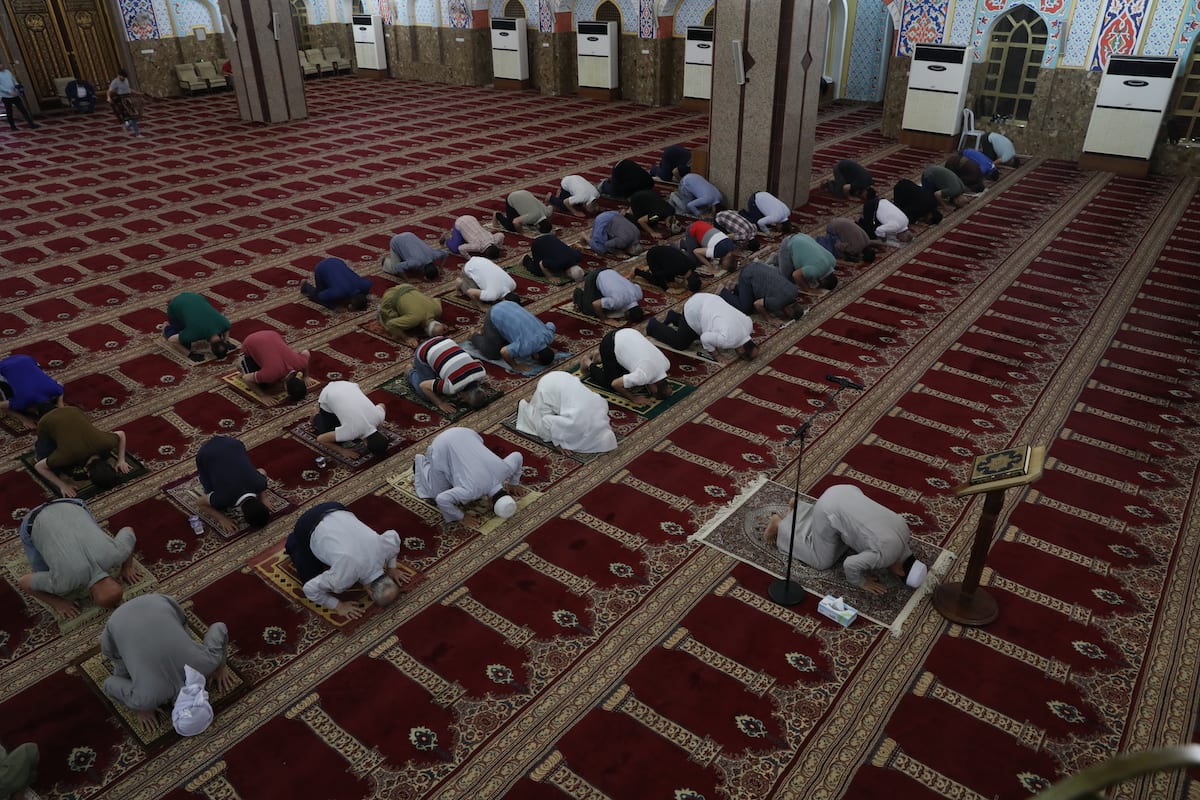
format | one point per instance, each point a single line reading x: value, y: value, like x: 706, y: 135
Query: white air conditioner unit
x: 597, y: 44
x: 1134, y: 95
x: 510, y: 50
x: 937, y: 89
x: 369, y: 49
x: 698, y: 63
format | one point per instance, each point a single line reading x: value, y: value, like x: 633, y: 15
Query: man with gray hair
x: 334, y: 551
x: 458, y: 469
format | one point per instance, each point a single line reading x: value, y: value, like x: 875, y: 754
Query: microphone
x: 845, y: 383
x: 797, y: 432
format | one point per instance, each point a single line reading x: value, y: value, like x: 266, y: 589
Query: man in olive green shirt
x: 18, y: 771
x: 70, y: 553
x: 67, y: 439
x: 408, y: 315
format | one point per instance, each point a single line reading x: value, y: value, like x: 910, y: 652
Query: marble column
x: 262, y: 49
x: 761, y: 131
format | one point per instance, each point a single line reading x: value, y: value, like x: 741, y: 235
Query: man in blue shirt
x: 10, y: 95
x: 696, y: 196
x: 612, y: 231
x: 230, y: 480
x: 408, y: 254
x: 510, y: 332
x: 605, y: 291
x: 25, y: 390
x: 337, y: 285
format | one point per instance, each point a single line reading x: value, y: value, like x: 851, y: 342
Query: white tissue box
x: 837, y: 610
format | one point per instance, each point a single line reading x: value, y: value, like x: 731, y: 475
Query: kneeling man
x: 67, y: 439
x: 334, y: 551
x: 845, y: 520
x: 459, y: 469
x: 567, y: 413
x: 510, y: 332
x: 345, y: 414
x: 148, y: 643
x: 69, y: 553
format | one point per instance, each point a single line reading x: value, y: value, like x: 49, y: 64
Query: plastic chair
x: 968, y: 125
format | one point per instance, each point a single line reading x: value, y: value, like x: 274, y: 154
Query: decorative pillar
x: 767, y: 61
x: 263, y: 53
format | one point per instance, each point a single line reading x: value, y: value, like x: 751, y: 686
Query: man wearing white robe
x: 845, y: 520
x: 567, y: 413
x: 458, y: 469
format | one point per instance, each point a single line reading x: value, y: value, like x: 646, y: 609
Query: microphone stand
x: 784, y: 591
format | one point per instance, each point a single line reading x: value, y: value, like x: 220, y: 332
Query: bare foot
x: 772, y: 530
x: 470, y: 521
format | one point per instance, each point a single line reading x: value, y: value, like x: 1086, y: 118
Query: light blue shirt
x: 704, y: 194
x: 525, y: 333
x: 618, y: 292
x: 1003, y: 147
x: 8, y: 83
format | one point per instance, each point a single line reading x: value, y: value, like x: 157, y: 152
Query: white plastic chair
x: 968, y: 129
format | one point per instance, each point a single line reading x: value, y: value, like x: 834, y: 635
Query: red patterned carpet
x: 585, y: 649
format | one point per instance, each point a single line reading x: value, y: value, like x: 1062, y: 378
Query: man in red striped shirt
x: 443, y: 369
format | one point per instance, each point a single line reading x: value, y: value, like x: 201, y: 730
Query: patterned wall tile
x: 1053, y: 12
x: 1120, y: 26
x: 1159, y: 36
x: 691, y: 13
x: 141, y: 19
x: 1187, y: 31
x: 458, y: 12
x: 964, y: 21
x: 867, y: 51
x: 647, y: 19
x: 1079, y: 39
x: 922, y: 21
x: 496, y: 9
x: 190, y: 14
x: 425, y: 12
x: 545, y: 16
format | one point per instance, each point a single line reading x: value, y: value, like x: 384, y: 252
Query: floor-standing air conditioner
x: 510, y: 53
x: 1133, y: 98
x: 369, y: 49
x: 698, y: 63
x: 597, y: 45
x: 937, y: 89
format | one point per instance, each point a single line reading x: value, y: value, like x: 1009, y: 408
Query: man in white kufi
x: 567, y: 413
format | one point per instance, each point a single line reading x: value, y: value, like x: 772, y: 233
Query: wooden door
x: 62, y: 39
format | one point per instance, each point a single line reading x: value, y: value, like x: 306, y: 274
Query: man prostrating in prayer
x: 845, y: 520
x: 458, y: 468
x: 334, y: 551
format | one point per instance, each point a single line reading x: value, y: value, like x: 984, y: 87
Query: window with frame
x: 1015, y: 51
x: 1184, y: 126
x: 709, y: 16
x: 514, y: 8
x: 608, y: 12
x: 300, y: 24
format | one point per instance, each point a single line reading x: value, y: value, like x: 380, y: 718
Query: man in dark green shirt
x: 190, y: 319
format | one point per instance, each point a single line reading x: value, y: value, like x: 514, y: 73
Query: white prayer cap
x: 505, y: 507
x: 575, y: 273
x: 192, y: 714
x: 916, y: 574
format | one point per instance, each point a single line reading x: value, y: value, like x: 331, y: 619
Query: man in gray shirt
x: 458, y: 468
x: 761, y: 287
x: 605, y: 291
x: 522, y: 208
x: 69, y: 553
x: 408, y: 254
x: 148, y: 642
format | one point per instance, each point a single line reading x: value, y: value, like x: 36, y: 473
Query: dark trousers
x: 85, y: 105
x: 324, y: 422
x: 559, y: 200
x: 741, y: 296
x: 298, y: 545
x: 674, y: 332
x: 16, y: 102
x: 489, y: 341
x: 246, y: 364
x: 752, y: 213
x: 509, y: 217
x: 588, y: 294
x: 607, y: 369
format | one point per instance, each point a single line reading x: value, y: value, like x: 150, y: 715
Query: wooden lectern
x: 966, y: 603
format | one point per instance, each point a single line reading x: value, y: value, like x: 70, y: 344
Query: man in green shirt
x: 409, y: 315
x: 803, y: 261
x: 190, y: 319
x: 67, y: 439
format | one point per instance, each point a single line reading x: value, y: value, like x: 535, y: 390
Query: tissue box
x: 836, y: 610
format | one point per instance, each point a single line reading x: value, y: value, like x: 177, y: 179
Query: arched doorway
x: 300, y: 24
x: 1014, y: 58
x: 62, y: 39
x: 835, y: 46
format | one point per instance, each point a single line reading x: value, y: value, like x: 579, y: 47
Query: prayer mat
x: 403, y: 491
x: 679, y: 390
x: 533, y: 369
x: 275, y: 568
x: 13, y: 426
x: 518, y: 268
x: 738, y: 532
x: 88, y: 610
x: 84, y: 488
x: 510, y: 422
x: 197, y: 347
x: 238, y: 383
x: 187, y: 491
x: 306, y: 433
x: 700, y: 353
x: 98, y: 669
x: 400, y: 387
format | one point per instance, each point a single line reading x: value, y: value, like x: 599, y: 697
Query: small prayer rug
x: 699, y: 353
x: 532, y: 368
x: 306, y: 433
x: 401, y: 387
x: 13, y: 426
x: 550, y: 279
x: 510, y: 422
x: 679, y: 390
x: 403, y: 491
x: 738, y: 532
x: 238, y: 383
x: 201, y: 348
x: 84, y: 488
x: 275, y: 568
x: 98, y: 669
x: 187, y: 492
x: 88, y: 610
